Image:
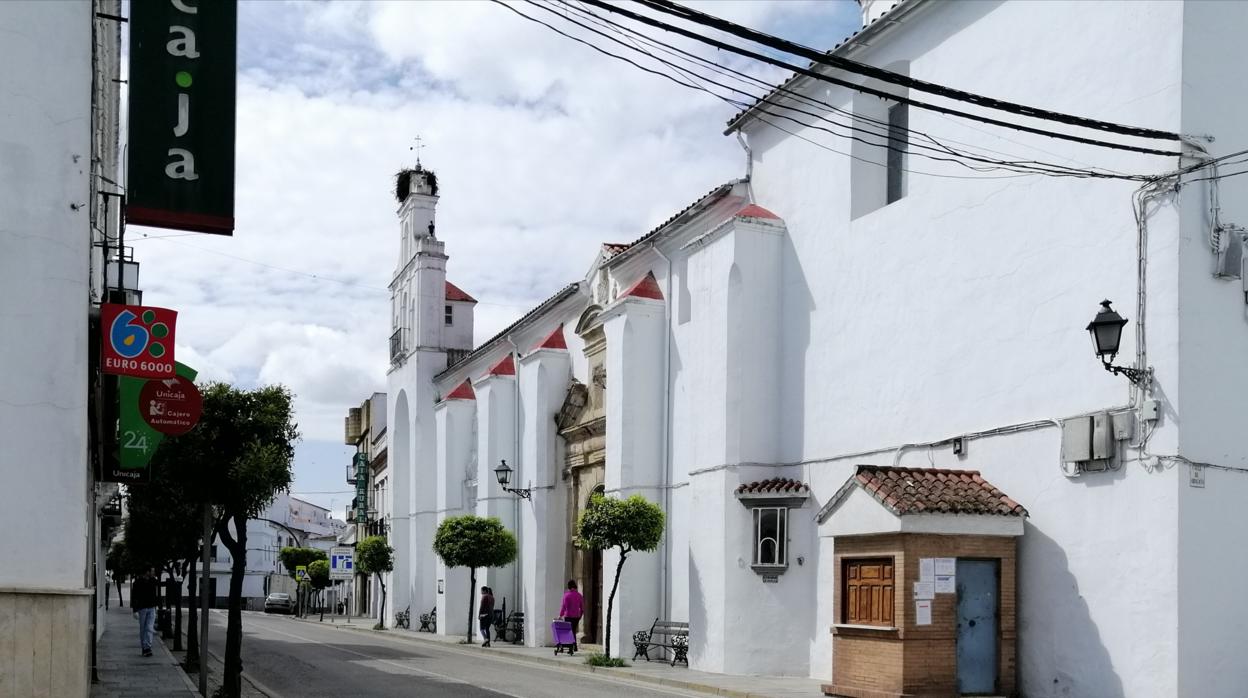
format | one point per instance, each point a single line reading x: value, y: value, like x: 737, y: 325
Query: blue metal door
x: 977, y: 626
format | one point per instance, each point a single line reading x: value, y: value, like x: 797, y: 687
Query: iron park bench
x: 663, y: 634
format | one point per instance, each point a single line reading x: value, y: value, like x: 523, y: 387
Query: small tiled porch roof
x: 776, y: 485
x: 932, y: 491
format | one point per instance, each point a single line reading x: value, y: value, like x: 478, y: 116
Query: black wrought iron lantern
x: 503, y: 473
x: 1106, y: 332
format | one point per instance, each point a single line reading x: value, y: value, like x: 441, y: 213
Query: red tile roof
x: 647, y: 287
x: 776, y: 484
x: 455, y: 293
x: 708, y: 199
x: 505, y: 366
x: 755, y: 211
x: 554, y: 340
x: 463, y: 392
x: 935, y: 491
x: 611, y: 249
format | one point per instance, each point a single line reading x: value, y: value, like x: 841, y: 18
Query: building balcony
x: 398, y: 346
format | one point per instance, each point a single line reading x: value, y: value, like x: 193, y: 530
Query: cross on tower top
x: 418, y: 147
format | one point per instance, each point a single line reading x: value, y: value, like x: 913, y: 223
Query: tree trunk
x: 472, y: 594
x: 619, y: 567
x: 120, y: 602
x: 192, y: 618
x: 231, y: 684
x: 381, y: 611
x: 177, y: 612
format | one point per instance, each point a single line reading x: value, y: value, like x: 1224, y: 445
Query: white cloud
x: 543, y: 148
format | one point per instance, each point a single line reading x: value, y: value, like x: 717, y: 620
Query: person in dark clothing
x: 485, y: 613
x: 144, y: 595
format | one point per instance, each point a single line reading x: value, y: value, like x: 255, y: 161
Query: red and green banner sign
x: 180, y: 162
x: 137, y: 438
x: 138, y: 340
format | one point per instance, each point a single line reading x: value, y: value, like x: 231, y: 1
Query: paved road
x: 295, y: 659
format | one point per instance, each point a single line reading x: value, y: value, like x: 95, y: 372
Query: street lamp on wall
x: 503, y: 473
x: 1106, y: 331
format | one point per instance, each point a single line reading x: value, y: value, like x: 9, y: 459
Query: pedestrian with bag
x: 485, y: 613
x: 572, y: 608
x: 144, y: 595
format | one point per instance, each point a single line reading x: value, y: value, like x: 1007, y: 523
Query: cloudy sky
x: 543, y: 149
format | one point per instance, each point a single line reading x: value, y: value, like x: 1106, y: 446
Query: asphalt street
x: 289, y: 658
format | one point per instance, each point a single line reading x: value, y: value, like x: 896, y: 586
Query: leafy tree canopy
x: 474, y: 541
x: 629, y: 524
x: 318, y: 573
x: 374, y: 556
x: 291, y: 558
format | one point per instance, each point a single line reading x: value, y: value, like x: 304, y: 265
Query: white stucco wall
x: 45, y: 161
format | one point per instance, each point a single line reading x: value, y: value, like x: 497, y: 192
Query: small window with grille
x: 770, y: 536
x: 450, y: 314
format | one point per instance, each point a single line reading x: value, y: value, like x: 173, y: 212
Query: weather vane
x: 418, y: 147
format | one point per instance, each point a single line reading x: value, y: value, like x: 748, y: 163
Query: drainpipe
x: 515, y: 435
x: 665, y: 479
x: 749, y: 164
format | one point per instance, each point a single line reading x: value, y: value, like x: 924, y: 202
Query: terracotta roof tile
x: 611, y: 249
x: 698, y: 206
x: 455, y: 293
x: 774, y: 485
x: 927, y: 490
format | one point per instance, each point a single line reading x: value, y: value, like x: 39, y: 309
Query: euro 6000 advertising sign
x: 138, y: 340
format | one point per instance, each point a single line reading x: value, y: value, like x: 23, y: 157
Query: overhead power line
x: 852, y: 66
x: 869, y: 90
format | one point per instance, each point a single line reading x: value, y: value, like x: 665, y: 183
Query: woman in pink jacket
x: 572, y: 609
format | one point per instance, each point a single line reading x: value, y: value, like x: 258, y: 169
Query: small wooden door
x: 868, y: 590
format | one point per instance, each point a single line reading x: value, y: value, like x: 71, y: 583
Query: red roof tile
x: 647, y: 287
x: 554, y: 340
x: 455, y: 293
x: 505, y: 366
x: 777, y: 485
x: 611, y: 249
x: 755, y: 211
x: 463, y: 392
x: 935, y: 491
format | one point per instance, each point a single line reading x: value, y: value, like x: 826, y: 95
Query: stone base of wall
x: 45, y: 642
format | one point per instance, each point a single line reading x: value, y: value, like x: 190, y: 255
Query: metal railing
x: 398, y: 346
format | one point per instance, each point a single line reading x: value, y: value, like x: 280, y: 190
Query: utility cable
x: 852, y: 66
x: 872, y: 91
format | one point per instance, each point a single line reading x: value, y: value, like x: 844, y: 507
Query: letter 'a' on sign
x: 180, y: 157
x: 138, y: 340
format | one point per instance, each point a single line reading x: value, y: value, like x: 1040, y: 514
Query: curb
x: 557, y: 664
x: 186, y: 678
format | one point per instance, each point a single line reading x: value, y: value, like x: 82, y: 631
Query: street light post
x: 503, y: 473
x: 1106, y: 331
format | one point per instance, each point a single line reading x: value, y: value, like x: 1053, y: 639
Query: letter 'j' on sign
x: 180, y: 158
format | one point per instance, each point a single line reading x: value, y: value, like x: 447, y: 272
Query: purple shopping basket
x: 561, y: 631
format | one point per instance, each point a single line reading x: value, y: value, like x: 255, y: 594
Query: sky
x: 543, y: 148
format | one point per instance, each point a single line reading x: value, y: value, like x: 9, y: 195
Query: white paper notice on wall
x: 927, y: 569
x: 924, y: 591
x: 922, y: 612
x: 946, y: 584
x: 947, y: 566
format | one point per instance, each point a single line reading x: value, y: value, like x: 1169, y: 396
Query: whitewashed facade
x: 804, y: 320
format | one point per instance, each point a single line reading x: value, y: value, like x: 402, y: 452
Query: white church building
x: 862, y: 388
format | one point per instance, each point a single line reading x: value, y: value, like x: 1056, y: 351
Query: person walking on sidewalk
x: 572, y: 609
x: 485, y: 614
x: 144, y: 595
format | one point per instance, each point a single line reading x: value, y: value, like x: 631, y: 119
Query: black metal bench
x: 663, y: 634
x: 429, y: 621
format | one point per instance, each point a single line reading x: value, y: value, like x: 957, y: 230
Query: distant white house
x: 850, y: 370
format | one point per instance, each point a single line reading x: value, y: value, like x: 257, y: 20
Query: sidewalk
x: 124, y: 672
x: 657, y: 672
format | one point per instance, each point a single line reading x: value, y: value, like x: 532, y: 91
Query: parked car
x: 279, y: 603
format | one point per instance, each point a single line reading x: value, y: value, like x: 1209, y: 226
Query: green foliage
x: 628, y: 524
x: 318, y: 573
x: 374, y: 556
x: 291, y: 558
x: 474, y: 541
x: 603, y: 660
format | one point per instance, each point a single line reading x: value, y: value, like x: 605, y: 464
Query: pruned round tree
x: 633, y: 524
x: 373, y: 555
x: 318, y: 577
x: 472, y: 542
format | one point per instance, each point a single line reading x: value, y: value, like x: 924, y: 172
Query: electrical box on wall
x: 1089, y: 441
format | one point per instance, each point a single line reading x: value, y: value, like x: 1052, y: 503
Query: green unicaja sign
x: 136, y: 439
